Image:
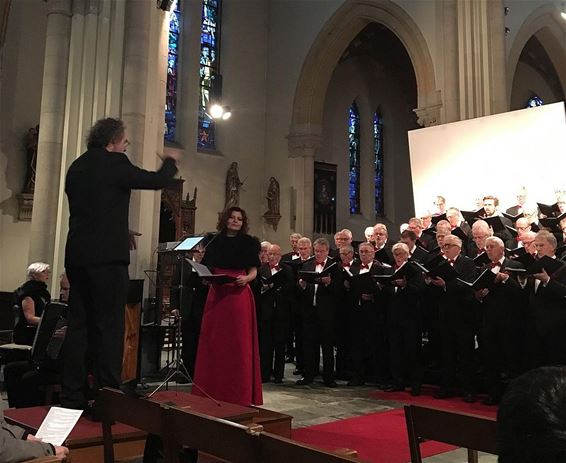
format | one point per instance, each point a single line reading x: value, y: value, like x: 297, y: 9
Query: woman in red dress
x: 227, y: 365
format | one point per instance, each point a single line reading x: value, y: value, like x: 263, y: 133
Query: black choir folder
x: 204, y: 273
x: 311, y: 277
x: 407, y: 270
x: 362, y: 283
x: 533, y: 265
x: 485, y: 280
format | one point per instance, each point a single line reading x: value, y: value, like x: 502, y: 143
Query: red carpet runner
x: 382, y: 437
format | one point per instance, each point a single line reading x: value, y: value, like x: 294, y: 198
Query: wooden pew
x: 473, y: 432
x: 236, y: 443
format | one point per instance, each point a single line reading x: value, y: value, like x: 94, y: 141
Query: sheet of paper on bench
x: 58, y: 424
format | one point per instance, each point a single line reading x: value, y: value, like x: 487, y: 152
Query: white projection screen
x: 493, y: 155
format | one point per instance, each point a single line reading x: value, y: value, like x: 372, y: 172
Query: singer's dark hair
x: 223, y: 220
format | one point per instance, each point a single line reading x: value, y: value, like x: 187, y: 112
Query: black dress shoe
x: 277, y: 381
x: 356, y: 382
x: 469, y: 398
x: 443, y: 394
x: 303, y: 382
x: 330, y: 384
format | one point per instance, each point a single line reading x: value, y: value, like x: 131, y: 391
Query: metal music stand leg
x: 176, y: 366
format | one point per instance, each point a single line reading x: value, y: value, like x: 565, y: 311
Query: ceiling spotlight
x: 563, y: 14
x: 217, y: 111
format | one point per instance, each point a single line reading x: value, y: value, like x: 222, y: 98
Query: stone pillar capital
x: 303, y: 144
x: 428, y: 116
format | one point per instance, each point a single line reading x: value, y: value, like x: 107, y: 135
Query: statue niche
x: 273, y: 196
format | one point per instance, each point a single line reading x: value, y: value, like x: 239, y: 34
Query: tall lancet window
x: 172, y: 66
x: 354, y: 154
x: 378, y: 153
x: 534, y: 101
x: 210, y: 82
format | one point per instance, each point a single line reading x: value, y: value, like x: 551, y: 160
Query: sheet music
x: 58, y: 424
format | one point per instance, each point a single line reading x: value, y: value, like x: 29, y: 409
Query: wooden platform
x: 86, y: 444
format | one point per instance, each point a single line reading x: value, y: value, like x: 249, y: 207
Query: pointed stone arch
x: 308, y: 105
x: 550, y: 29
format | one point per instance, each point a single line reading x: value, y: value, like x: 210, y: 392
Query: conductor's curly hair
x: 104, y: 132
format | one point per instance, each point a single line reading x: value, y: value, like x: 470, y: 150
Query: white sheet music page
x: 58, y: 424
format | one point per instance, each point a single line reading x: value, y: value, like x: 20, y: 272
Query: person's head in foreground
x: 532, y: 418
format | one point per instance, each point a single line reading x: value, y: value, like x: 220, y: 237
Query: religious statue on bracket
x: 25, y: 199
x: 273, y: 196
x: 233, y: 185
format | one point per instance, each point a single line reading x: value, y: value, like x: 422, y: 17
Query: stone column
x: 481, y: 53
x: 302, y: 148
x: 48, y: 178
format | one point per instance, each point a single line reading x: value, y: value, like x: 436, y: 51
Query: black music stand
x: 176, y: 366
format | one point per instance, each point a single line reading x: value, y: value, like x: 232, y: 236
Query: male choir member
x: 528, y: 241
x: 490, y: 206
x: 425, y: 240
x: 289, y: 257
x: 294, y: 254
x: 263, y: 252
x: 561, y: 203
x: 274, y: 314
x: 304, y: 245
x: 426, y: 219
x: 501, y: 319
x: 456, y: 321
x: 416, y: 253
x: 341, y: 238
x: 440, y: 203
x: 368, y: 234
x: 188, y: 296
x: 521, y: 199
x: 367, y: 321
x: 522, y: 225
x: 382, y: 245
x: 347, y: 260
x: 404, y: 326
x: 318, y: 308
x: 547, y: 296
x: 431, y: 323
x: 481, y: 231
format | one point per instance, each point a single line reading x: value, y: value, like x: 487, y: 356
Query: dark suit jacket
x: 326, y: 296
x: 504, y: 299
x: 276, y: 302
x: 194, y: 291
x: 455, y: 302
x: 548, y: 305
x: 380, y: 296
x: 404, y: 303
x: 98, y: 187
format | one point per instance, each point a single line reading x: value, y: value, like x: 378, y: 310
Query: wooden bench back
x: 476, y: 433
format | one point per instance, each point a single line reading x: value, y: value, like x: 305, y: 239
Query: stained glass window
x: 534, y: 101
x: 354, y: 153
x: 378, y: 153
x: 209, y: 53
x: 172, y: 65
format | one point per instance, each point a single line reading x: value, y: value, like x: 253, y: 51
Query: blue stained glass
x: 209, y: 51
x: 534, y: 101
x: 172, y: 65
x: 354, y: 157
x: 378, y: 153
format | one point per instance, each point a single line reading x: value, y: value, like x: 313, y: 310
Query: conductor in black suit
x: 98, y: 186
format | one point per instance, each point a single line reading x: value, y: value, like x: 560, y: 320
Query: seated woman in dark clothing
x: 30, y: 301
